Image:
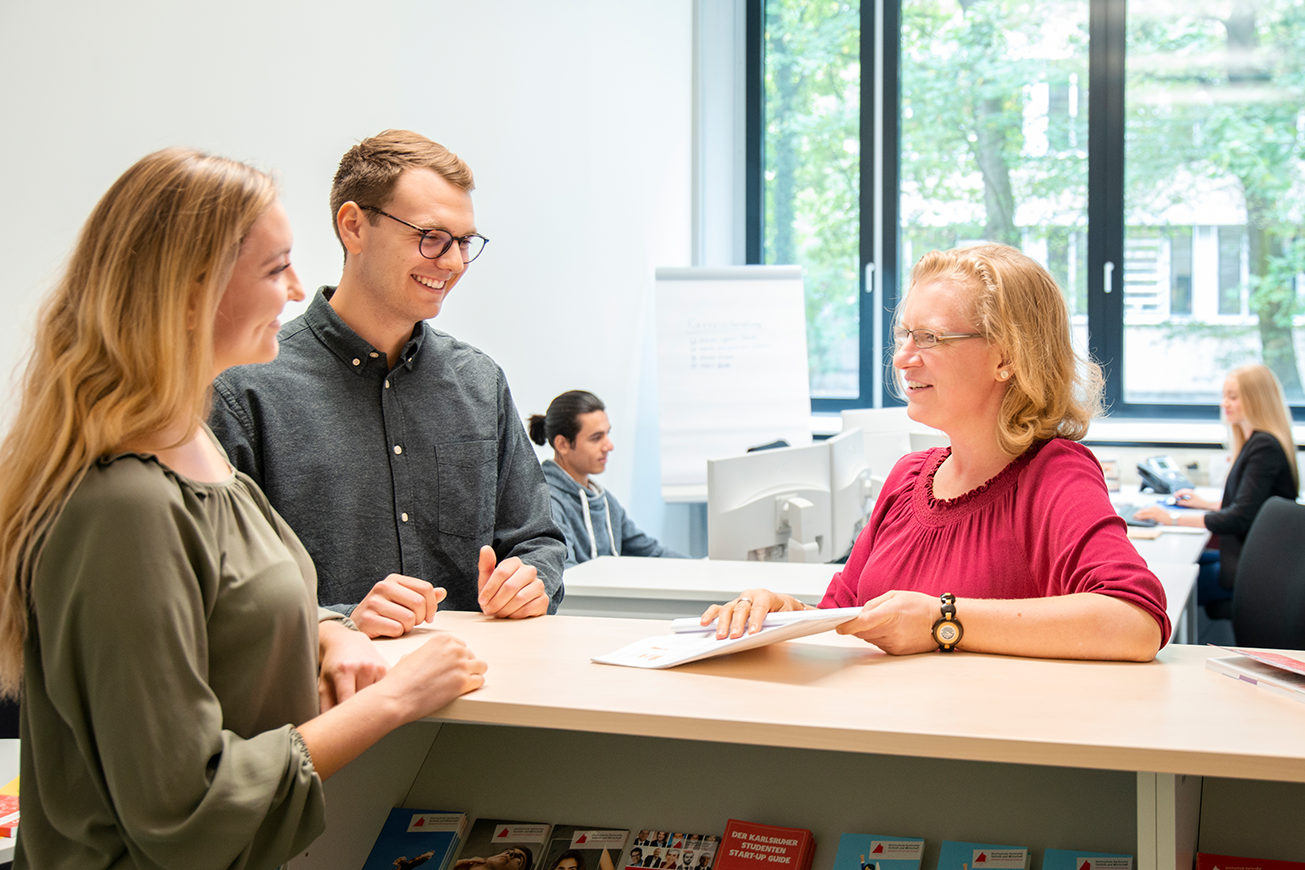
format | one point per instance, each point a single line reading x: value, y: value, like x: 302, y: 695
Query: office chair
x: 1269, y: 595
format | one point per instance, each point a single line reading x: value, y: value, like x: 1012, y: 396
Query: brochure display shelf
x: 829, y: 734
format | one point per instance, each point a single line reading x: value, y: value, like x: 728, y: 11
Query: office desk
x: 629, y: 587
x: 1134, y: 495
x: 1172, y: 556
x: 1174, y: 545
x: 830, y: 734
x: 1165, y: 555
x: 1143, y: 499
x: 668, y: 588
x: 1179, y: 581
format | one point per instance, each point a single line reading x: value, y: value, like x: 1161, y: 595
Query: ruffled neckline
x: 195, y: 485
x: 981, y: 494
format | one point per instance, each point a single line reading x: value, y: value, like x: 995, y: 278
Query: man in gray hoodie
x: 591, y: 518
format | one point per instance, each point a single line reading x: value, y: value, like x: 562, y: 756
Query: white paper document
x: 689, y: 644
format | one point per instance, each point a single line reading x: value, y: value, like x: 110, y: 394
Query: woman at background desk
x: 1264, y: 465
x: 1006, y: 542
x: 161, y: 618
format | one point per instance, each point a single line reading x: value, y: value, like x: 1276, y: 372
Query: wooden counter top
x: 836, y: 693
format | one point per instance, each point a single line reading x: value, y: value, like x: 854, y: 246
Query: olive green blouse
x: 171, y: 648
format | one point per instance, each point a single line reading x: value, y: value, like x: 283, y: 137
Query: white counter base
x: 831, y: 734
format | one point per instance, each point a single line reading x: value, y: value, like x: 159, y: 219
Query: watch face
x: 947, y: 633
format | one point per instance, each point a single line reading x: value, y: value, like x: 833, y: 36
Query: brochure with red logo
x: 875, y: 852
x: 584, y: 847
x: 1080, y: 859
x: 416, y: 838
x: 500, y: 844
x: 956, y: 855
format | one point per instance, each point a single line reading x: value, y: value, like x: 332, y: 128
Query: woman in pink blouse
x: 1005, y: 542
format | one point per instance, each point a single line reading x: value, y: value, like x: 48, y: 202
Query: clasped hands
x: 397, y: 604
x: 349, y: 662
x: 898, y: 622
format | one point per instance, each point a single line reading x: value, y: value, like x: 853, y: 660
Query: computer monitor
x: 852, y: 490
x: 770, y: 505
x: 889, y: 434
x: 870, y: 420
x: 927, y: 440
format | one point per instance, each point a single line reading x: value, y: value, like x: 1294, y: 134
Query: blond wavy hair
x: 1053, y: 390
x: 1265, y: 407
x: 124, y: 347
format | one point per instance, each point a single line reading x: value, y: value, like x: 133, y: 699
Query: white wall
x: 575, y: 116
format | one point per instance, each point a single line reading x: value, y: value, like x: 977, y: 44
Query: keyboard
x: 1127, y: 510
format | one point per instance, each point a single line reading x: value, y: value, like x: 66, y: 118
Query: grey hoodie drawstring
x: 589, y: 524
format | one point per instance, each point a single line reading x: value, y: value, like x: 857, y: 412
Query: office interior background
x: 612, y: 138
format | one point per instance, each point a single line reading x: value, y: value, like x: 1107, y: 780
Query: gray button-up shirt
x: 406, y: 468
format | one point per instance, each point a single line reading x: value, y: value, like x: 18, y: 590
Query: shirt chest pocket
x: 467, y: 484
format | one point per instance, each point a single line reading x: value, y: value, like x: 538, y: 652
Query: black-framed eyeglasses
x: 434, y: 243
x: 927, y: 338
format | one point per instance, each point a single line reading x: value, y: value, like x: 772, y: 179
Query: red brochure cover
x: 751, y: 846
x: 1205, y: 861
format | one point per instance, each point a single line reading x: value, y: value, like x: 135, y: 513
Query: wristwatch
x: 947, y: 629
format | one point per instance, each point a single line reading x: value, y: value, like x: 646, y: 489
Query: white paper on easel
x: 731, y: 364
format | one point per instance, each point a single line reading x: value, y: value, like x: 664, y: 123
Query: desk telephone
x: 1161, y: 474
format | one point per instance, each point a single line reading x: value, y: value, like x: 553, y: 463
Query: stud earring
x: 1005, y: 375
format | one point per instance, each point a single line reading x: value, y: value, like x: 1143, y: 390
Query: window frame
x: 879, y: 242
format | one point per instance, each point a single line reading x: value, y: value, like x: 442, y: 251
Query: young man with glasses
x: 395, y: 451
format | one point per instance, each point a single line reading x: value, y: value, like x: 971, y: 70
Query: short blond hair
x: 1265, y: 407
x: 124, y: 346
x: 1053, y: 390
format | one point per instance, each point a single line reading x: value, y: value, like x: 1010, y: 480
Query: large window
x: 1151, y: 159
x: 1215, y: 93
x: 812, y: 160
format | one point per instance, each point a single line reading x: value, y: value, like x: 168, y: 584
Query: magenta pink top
x: 1043, y: 526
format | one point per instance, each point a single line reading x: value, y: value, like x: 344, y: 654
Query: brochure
x: 502, y: 844
x: 956, y: 855
x: 584, y: 847
x: 671, y: 850
x: 690, y: 645
x: 876, y: 852
x: 1257, y: 672
x: 1207, y: 861
x: 754, y: 846
x: 1076, y: 859
x: 412, y: 838
x: 1276, y: 659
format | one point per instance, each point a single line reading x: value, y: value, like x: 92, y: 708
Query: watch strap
x: 947, y: 629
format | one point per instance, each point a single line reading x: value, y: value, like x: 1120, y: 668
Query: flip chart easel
x: 731, y: 367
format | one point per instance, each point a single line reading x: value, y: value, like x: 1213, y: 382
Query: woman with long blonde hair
x: 160, y: 621
x: 1264, y: 465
